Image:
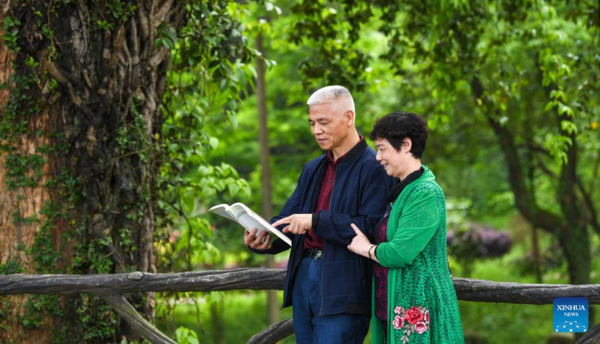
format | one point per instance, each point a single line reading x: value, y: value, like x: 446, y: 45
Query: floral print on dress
x: 409, y: 321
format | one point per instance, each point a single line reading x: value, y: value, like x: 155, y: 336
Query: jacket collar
x: 354, y: 152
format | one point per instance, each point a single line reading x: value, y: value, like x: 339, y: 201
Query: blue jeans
x: 309, y: 326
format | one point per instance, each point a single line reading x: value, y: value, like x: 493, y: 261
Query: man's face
x: 329, y: 127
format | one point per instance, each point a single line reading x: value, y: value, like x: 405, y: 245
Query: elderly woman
x: 414, y: 297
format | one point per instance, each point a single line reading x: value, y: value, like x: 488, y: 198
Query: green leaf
x: 233, y: 189
x: 246, y: 190
x: 563, y: 109
x: 207, y: 191
x: 214, y: 142
x: 186, y: 336
x: 568, y: 126
x: 232, y: 119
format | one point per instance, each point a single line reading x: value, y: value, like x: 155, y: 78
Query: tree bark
x: 536, y: 254
x: 263, y: 279
x: 19, y: 201
x: 274, y: 333
x: 110, y: 288
x: 129, y: 314
x: 84, y: 198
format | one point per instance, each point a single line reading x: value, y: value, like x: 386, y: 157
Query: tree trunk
x: 574, y: 236
x: 263, y: 135
x: 536, y: 254
x: 569, y: 225
x: 83, y: 82
x: 18, y: 201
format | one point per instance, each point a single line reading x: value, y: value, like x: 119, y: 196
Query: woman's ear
x: 406, y: 145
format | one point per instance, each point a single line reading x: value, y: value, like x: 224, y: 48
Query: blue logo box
x: 570, y: 314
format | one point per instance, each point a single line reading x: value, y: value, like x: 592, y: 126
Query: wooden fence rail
x: 111, y: 288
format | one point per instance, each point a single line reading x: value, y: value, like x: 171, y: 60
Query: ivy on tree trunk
x: 83, y: 83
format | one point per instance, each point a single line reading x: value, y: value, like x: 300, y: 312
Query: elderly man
x: 329, y: 286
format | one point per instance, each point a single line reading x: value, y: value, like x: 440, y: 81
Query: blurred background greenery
x: 509, y: 89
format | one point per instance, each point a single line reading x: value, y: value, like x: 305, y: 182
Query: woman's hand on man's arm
x: 361, y: 244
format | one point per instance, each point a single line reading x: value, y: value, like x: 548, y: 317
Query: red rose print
x: 426, y: 317
x: 413, y: 315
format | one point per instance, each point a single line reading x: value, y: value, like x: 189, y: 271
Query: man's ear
x: 350, y: 117
x: 406, y: 145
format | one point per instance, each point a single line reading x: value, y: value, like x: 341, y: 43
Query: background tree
x: 265, y: 167
x: 87, y: 151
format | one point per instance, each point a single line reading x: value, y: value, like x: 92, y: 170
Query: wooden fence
x: 111, y: 288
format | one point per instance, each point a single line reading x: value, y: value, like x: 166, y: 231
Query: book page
x: 222, y: 209
x: 250, y: 220
x: 244, y: 216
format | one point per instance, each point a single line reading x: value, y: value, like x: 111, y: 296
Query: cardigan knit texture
x: 422, y: 304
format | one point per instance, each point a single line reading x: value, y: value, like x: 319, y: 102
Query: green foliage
x: 97, y: 319
x: 338, y: 62
x: 534, y: 62
x: 12, y: 266
x: 19, y: 167
x: 11, y: 32
x: 120, y: 10
x: 167, y: 36
x: 509, y: 80
x: 186, y: 336
x: 242, y: 314
x: 105, y: 25
x: 502, y: 323
x: 24, y: 171
x: 208, y: 74
x: 39, y: 306
x: 5, y: 313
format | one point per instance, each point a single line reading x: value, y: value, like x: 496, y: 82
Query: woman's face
x: 395, y: 162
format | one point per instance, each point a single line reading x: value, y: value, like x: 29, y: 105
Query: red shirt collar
x: 334, y: 162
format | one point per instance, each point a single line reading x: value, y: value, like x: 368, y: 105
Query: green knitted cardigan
x: 422, y: 304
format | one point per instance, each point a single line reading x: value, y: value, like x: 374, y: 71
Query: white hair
x: 333, y: 94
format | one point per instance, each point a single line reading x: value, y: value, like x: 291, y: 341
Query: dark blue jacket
x: 359, y: 196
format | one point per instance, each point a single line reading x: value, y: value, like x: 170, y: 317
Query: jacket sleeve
x: 292, y: 206
x: 335, y: 227
x: 417, y: 224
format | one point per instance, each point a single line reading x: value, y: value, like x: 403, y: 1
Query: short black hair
x: 396, y: 126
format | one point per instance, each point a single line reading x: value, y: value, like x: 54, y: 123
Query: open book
x: 241, y: 214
